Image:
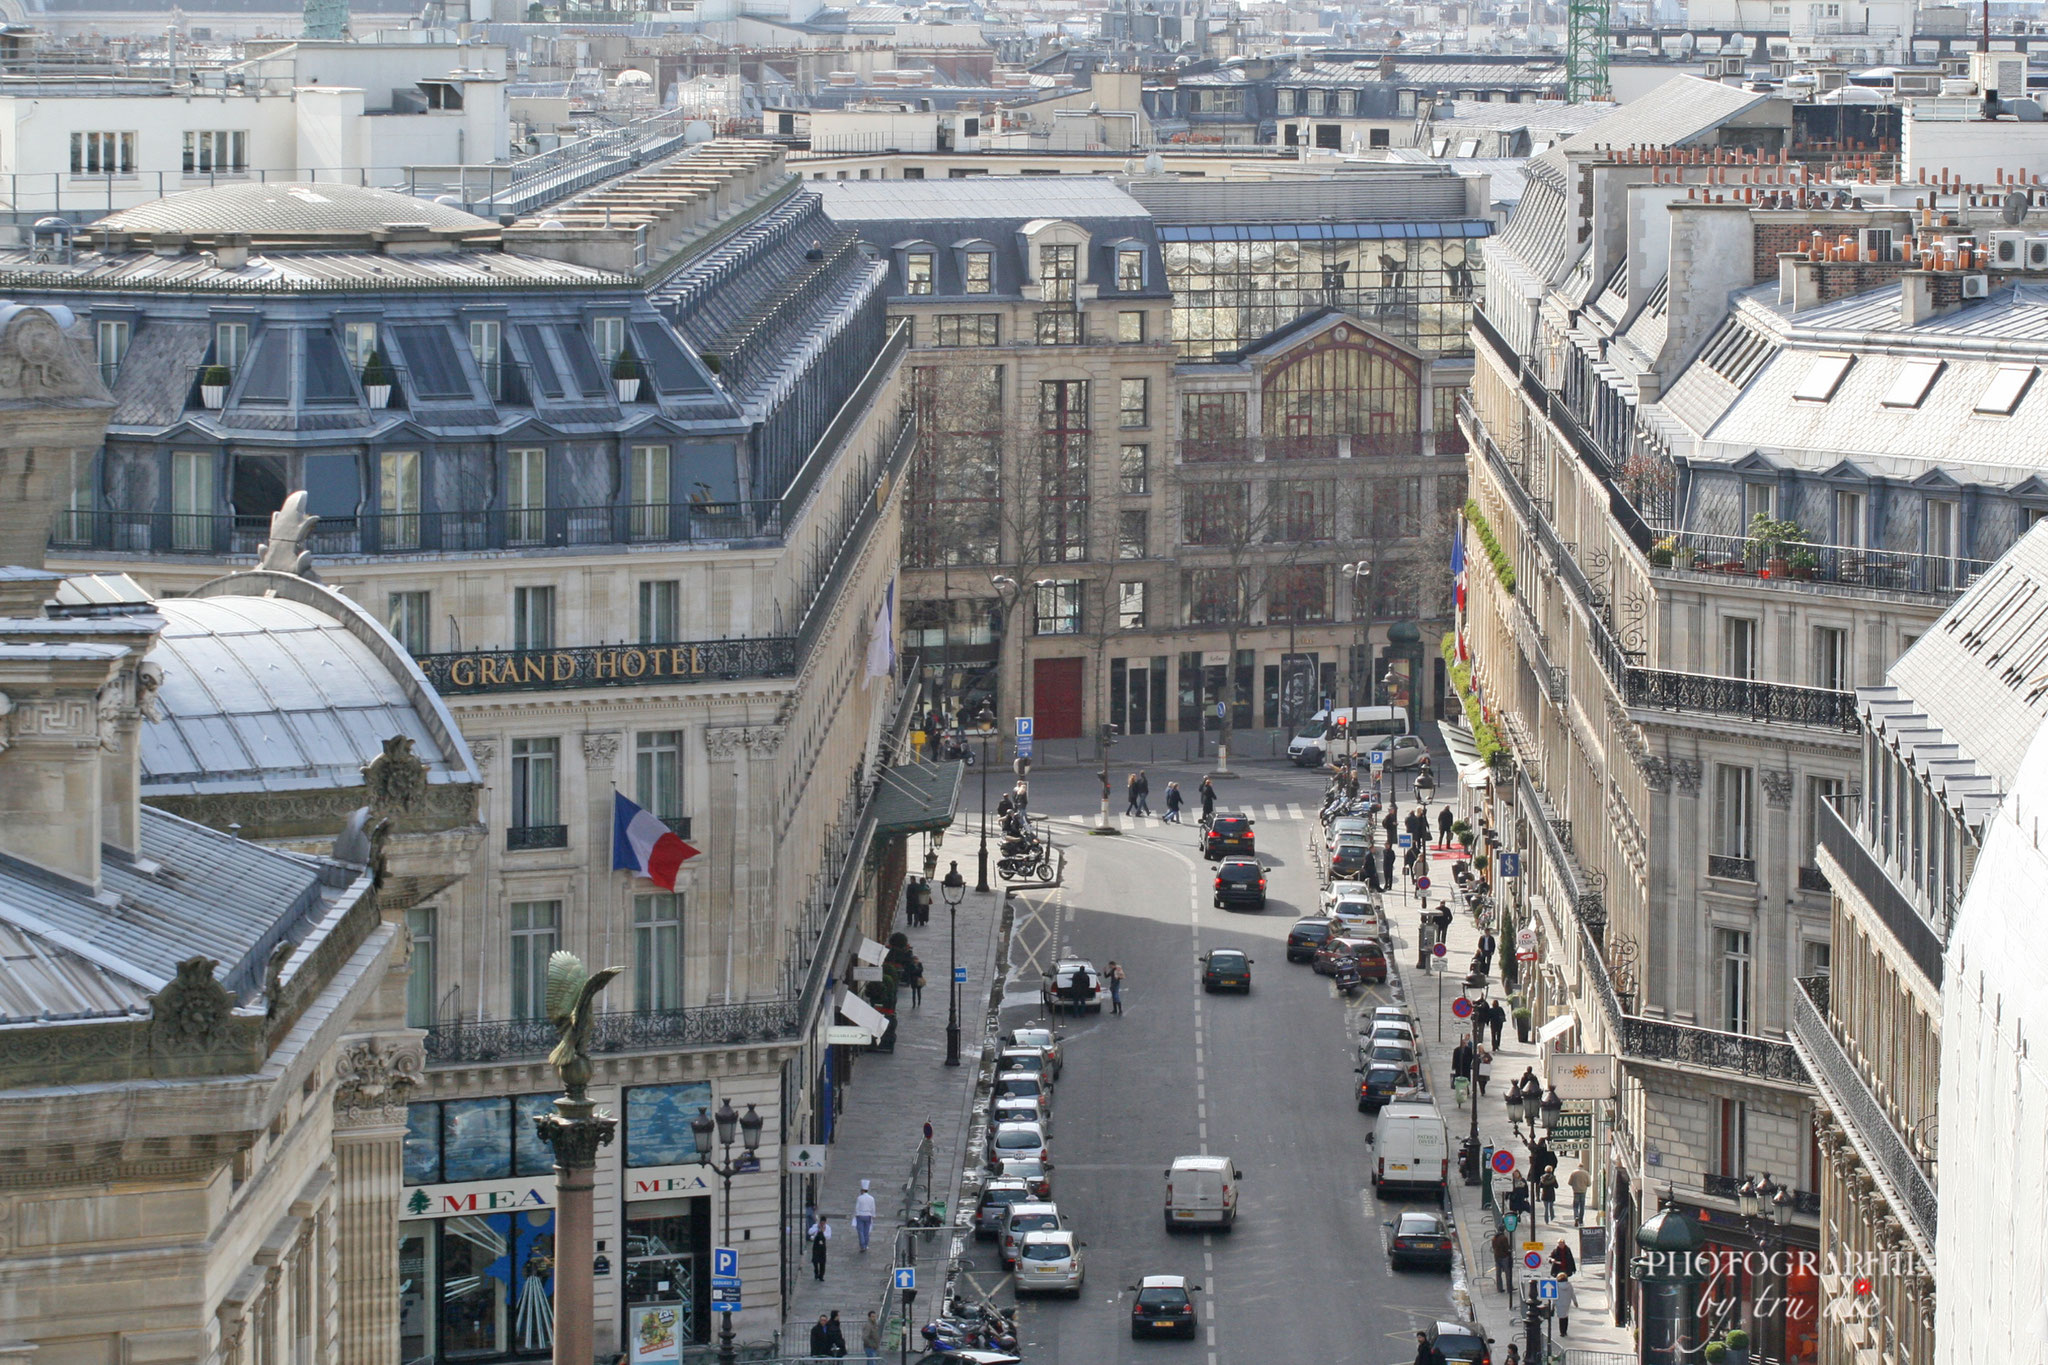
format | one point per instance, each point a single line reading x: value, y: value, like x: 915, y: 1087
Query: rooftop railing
x: 1845, y: 565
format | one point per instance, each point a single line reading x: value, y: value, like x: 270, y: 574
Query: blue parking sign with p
x: 906, y: 1277
x: 725, y: 1261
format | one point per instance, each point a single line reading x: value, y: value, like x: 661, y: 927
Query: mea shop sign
x: 471, y: 1197
x: 666, y: 1182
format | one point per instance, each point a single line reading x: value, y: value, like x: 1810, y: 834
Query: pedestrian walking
x: 864, y: 1215
x: 1208, y: 794
x: 1426, y: 1352
x: 1581, y: 1181
x: 1144, y: 793
x: 821, y: 1336
x: 1461, y: 1057
x: 1563, y: 1264
x: 1444, y: 821
x: 910, y: 902
x: 1514, y: 1355
x: 1482, y: 1068
x: 916, y: 992
x: 1487, y: 944
x: 1387, y: 867
x: 1503, y: 1254
x: 1130, y: 794
x: 1499, y: 1020
x: 821, y: 1238
x: 1518, y: 1196
x: 1393, y: 825
x: 1567, y: 1299
x: 871, y: 1337
x: 1173, y: 803
x: 835, y: 1336
x: 1116, y: 986
x: 1547, y: 1184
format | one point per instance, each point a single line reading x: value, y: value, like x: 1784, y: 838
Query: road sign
x: 1378, y: 757
x: 1504, y: 1162
x: 1510, y: 864
x: 1219, y: 710
x: 718, y: 1305
x: 960, y: 976
x: 1422, y: 883
x: 1533, y: 1259
x: 1571, y: 1128
x: 1440, y: 950
x: 1023, y: 746
x: 1546, y: 1289
x: 728, y: 1283
x: 1023, y: 727
x: 804, y: 1160
x: 724, y: 1261
x: 1462, y: 1007
x: 1407, y: 839
x: 906, y: 1277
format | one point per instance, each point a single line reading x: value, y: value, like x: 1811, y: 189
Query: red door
x: 1056, y: 697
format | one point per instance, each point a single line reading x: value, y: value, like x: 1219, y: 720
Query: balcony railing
x: 1873, y: 884
x: 526, y: 838
x: 1850, y: 565
x: 1729, y: 1187
x: 555, y: 670
x: 180, y: 533
x: 486, y: 1041
x: 1661, y: 1040
x: 1742, y: 698
x: 1857, y: 1108
x: 1587, y: 900
x: 1813, y: 879
x: 1733, y: 868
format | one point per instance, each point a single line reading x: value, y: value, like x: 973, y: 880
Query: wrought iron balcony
x: 1588, y: 900
x: 486, y: 1041
x: 1661, y: 1040
x: 1856, y: 1107
x: 1813, y: 879
x: 1742, y: 698
x: 526, y: 838
x: 1729, y: 1187
x: 1873, y: 885
x: 1851, y: 565
x: 1734, y: 869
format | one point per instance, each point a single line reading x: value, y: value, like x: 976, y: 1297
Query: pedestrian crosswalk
x: 1271, y: 814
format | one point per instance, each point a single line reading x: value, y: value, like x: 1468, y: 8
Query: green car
x: 1226, y: 969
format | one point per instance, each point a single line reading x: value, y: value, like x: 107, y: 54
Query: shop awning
x: 915, y: 798
x: 1564, y: 1023
x: 1473, y: 771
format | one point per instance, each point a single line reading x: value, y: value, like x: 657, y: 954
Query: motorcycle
x: 985, y: 1330
x: 1036, y: 864
x: 1347, y: 978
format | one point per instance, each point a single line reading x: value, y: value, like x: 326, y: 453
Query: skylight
x: 2005, y: 390
x: 1909, y: 389
x: 1824, y: 378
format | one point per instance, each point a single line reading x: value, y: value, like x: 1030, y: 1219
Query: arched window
x: 1345, y: 383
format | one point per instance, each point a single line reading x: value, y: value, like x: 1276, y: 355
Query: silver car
x: 1050, y: 1263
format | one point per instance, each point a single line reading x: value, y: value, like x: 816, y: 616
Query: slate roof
x: 978, y: 197
x: 1673, y: 115
x: 288, y: 209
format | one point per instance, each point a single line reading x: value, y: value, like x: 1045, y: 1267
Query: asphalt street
x: 1264, y: 1079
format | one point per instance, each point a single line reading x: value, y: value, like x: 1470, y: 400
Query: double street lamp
x: 1475, y: 991
x: 725, y: 1121
x: 954, y: 889
x: 984, y: 730
x: 1767, y: 1211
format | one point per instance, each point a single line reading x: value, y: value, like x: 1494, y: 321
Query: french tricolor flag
x: 642, y: 844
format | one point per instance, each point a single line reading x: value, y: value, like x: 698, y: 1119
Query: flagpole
x: 611, y: 921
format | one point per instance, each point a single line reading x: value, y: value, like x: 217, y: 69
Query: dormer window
x: 1059, y: 271
x: 980, y: 272
x: 917, y: 272
x: 1285, y: 100
x: 1130, y: 269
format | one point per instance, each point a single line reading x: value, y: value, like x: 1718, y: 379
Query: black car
x: 1163, y: 1308
x: 1350, y: 860
x: 1462, y: 1341
x: 1226, y: 969
x: 1240, y: 881
x: 1305, y: 937
x: 1228, y: 834
x: 1420, y: 1238
x: 1377, y: 1084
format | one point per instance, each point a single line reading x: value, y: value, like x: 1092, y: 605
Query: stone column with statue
x: 575, y: 1130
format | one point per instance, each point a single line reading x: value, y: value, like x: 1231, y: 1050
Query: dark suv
x: 1228, y: 834
x: 1240, y: 881
x: 1305, y: 937
x: 1350, y: 859
x: 1462, y: 1341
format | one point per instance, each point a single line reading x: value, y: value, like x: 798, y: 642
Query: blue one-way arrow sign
x: 906, y: 1277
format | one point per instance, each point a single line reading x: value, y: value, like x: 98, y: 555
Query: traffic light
x: 1110, y: 731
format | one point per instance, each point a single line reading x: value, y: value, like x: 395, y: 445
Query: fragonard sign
x: 1582, y: 1075
x: 666, y: 1182
x: 473, y: 1197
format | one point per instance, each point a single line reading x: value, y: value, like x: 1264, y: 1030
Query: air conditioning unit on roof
x: 2008, y: 250
x: 1976, y: 286
x: 2037, y: 253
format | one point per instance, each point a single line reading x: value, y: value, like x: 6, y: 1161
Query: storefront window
x: 476, y: 1139
x: 665, y: 1241
x: 658, y: 1123
x: 472, y: 1286
x: 486, y: 1139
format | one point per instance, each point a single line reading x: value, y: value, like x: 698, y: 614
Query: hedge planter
x: 629, y: 389
x: 213, y: 386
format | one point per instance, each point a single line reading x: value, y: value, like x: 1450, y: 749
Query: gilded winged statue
x: 572, y: 992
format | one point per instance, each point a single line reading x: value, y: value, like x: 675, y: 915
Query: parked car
x: 1463, y: 1341
x: 1240, y: 881
x: 1034, y: 1172
x: 1059, y: 983
x: 1370, y: 956
x: 1044, y: 1039
x: 1395, y: 1053
x: 1405, y: 751
x: 1360, y: 915
x: 1226, y: 969
x: 1039, y: 1215
x: 1228, y: 834
x: 996, y: 1196
x: 1347, y: 827
x: 1164, y: 1307
x: 1007, y: 1140
x: 1050, y: 1262
x: 1031, y: 1083
x: 1027, y: 1059
x: 1022, y: 1109
x: 1418, y: 1237
x: 1352, y: 857
x: 1377, y: 1086
x: 1305, y: 937
x: 1338, y: 890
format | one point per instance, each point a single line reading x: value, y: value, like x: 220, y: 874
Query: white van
x: 1319, y: 737
x: 1201, y: 1191
x: 1413, y: 1149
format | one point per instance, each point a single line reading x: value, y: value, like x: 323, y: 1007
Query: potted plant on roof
x: 378, y: 377
x: 626, y: 375
x: 1767, y: 541
x: 213, y: 386
x: 1661, y: 552
x: 1801, y: 563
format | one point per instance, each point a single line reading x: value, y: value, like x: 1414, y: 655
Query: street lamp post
x: 954, y: 889
x: 749, y: 1126
x: 1767, y: 1210
x: 1360, y: 573
x: 1475, y: 991
x: 985, y: 729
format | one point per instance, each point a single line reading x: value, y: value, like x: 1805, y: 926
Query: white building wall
x: 1992, y: 1245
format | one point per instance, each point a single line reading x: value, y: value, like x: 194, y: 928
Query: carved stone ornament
x: 483, y: 751
x: 1656, y: 773
x: 396, y: 779
x: 600, y: 748
x: 1685, y: 775
x: 576, y: 1135
x: 191, y: 1012
x: 1777, y: 785
x: 291, y: 527
x: 373, y: 1081
x: 37, y: 362
x: 723, y: 741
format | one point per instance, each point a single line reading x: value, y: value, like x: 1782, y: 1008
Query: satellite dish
x: 1154, y: 163
x: 2014, y: 209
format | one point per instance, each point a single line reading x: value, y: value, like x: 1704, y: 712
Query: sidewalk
x: 879, y: 1134
x: 1592, y: 1321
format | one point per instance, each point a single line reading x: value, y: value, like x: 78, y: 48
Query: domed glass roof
x: 288, y: 210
